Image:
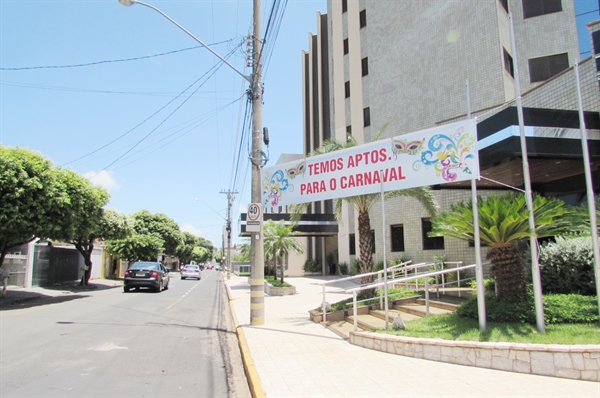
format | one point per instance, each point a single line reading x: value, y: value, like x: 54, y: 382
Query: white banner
x: 429, y: 157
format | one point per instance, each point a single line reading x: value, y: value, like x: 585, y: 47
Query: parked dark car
x: 148, y: 274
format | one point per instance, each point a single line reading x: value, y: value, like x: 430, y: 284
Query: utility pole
x: 228, y: 228
x: 257, y: 270
x: 255, y: 94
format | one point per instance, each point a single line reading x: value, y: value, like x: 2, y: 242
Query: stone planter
x: 340, y: 315
x: 279, y: 291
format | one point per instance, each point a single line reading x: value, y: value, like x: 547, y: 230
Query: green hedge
x: 567, y: 266
x: 558, y: 308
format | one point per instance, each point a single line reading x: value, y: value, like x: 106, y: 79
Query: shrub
x: 355, y: 267
x: 343, y: 268
x: 489, y: 284
x: 558, y: 308
x: 566, y: 266
x: 276, y: 283
x: 378, y: 266
x: 313, y: 266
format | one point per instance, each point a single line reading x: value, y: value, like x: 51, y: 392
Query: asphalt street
x: 107, y: 343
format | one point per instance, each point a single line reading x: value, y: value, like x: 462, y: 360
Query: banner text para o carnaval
x: 429, y: 157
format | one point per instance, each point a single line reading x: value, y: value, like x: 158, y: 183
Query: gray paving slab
x: 295, y: 357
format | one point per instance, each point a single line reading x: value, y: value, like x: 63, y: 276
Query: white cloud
x: 103, y: 178
x: 192, y: 230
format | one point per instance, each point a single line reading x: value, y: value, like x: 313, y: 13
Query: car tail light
x: 127, y: 274
x: 196, y: 270
x: 154, y: 274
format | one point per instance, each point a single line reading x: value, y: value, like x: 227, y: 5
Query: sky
x: 124, y: 124
x: 123, y: 96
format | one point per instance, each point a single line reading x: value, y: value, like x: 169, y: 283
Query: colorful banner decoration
x: 429, y: 157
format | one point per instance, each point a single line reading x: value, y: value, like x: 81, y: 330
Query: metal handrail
x: 323, y: 283
x: 355, y: 291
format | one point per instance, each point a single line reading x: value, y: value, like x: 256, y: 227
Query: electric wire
x: 212, y: 71
x: 110, y: 61
x: 153, y: 114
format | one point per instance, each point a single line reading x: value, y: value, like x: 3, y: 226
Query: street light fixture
x: 255, y: 94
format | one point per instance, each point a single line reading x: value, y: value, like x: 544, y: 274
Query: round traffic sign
x: 253, y: 212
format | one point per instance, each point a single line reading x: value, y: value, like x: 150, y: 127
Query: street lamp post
x: 257, y: 293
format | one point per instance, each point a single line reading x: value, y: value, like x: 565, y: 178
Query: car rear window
x: 191, y: 267
x: 153, y: 266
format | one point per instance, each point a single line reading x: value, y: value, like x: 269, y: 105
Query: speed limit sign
x: 254, y: 217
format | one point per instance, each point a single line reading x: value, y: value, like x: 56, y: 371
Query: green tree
x: 503, y: 224
x: 160, y: 226
x: 86, y: 221
x: 244, y: 254
x: 279, y: 241
x: 32, y: 198
x: 201, y: 254
x: 186, y: 248
x: 363, y: 203
x: 136, y: 248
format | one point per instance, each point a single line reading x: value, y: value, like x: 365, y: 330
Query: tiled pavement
x: 294, y: 357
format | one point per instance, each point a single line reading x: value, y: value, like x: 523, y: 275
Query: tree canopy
x: 161, y: 226
x: 33, y: 198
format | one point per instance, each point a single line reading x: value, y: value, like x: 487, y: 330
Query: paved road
x: 178, y: 343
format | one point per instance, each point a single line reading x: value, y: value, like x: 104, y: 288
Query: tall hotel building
x: 406, y: 63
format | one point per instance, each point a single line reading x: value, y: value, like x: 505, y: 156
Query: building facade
x: 405, y: 65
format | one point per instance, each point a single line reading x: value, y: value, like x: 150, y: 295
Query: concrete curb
x: 253, y: 379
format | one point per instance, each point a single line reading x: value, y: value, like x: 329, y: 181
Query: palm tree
x: 503, y: 224
x: 363, y: 203
x: 279, y: 242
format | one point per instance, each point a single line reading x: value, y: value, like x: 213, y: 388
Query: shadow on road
x: 36, y: 300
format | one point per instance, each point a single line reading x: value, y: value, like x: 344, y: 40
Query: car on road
x: 209, y: 266
x: 148, y: 274
x: 191, y: 271
x: 217, y: 268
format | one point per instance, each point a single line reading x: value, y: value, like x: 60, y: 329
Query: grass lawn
x: 453, y: 327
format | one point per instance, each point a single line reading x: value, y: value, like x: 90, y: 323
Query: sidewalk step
x: 392, y: 313
x: 420, y: 309
x: 438, y: 304
x: 343, y: 329
x: 367, y: 322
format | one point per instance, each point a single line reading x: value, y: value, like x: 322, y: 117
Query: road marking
x: 185, y: 294
x: 108, y: 347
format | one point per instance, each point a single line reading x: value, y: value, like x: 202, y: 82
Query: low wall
x: 279, y: 291
x: 580, y: 362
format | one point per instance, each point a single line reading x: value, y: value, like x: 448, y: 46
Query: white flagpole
x: 535, y: 269
x: 479, y: 267
x: 385, y: 286
x: 589, y: 186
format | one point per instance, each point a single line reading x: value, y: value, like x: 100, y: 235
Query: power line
x: 109, y: 61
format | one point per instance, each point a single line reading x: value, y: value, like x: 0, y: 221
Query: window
x: 397, y: 236
x: 543, y: 68
x: 365, y: 66
x: 347, y: 89
x: 508, y: 63
x: 349, y: 130
x: 534, y: 8
x: 436, y: 243
x: 367, y: 116
x: 504, y: 4
x: 352, y: 242
x: 363, y: 18
x: 344, y: 5
x: 346, y: 47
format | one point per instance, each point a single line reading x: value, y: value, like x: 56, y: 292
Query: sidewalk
x: 294, y: 357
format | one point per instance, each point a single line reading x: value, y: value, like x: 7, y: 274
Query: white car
x: 191, y: 271
x: 217, y: 268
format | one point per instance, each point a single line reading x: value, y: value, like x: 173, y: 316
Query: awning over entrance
x: 309, y: 224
